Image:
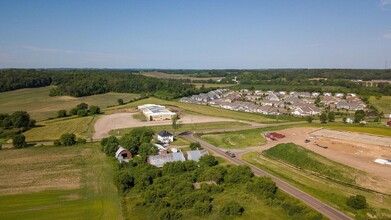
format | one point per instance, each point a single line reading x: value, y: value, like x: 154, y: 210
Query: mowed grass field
x: 187, y: 127
x: 236, y: 139
x: 330, y: 192
x: 53, y: 129
x: 374, y: 128
x: 200, y: 109
x: 57, y: 183
x: 383, y: 104
x: 40, y: 106
x: 211, y: 85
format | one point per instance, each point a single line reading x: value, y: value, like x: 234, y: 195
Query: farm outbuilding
x: 123, y: 154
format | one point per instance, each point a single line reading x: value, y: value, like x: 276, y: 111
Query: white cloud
x: 385, y: 4
x: 387, y: 35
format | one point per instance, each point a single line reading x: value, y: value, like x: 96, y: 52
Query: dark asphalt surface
x: 311, y: 201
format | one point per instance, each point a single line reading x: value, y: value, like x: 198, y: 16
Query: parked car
x: 229, y: 153
x: 306, y: 141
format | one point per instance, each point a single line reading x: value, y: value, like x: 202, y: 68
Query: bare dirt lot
x: 356, y: 154
x: 125, y: 120
x: 353, y: 136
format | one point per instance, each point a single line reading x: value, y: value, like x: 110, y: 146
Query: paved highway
x: 316, y: 204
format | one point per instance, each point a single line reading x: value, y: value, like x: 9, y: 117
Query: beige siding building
x: 156, y: 112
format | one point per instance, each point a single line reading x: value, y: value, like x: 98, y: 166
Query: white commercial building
x: 156, y: 112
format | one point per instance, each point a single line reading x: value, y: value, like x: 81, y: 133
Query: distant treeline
x: 289, y: 74
x: 90, y: 82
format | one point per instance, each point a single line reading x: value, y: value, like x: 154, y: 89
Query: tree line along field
x: 41, y: 106
x: 57, y: 183
x: 328, y: 191
x: 383, y: 104
x: 156, y: 74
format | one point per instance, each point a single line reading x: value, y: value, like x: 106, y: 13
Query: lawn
x: 327, y: 191
x: 202, y: 109
x: 307, y: 160
x: 186, y: 127
x: 236, y: 139
x: 38, y: 103
x: 53, y: 129
x: 383, y: 104
x: 57, y: 183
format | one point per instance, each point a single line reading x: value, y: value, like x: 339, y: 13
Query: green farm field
x: 57, y: 183
x: 161, y: 75
x: 236, y: 139
x: 40, y: 106
x: 330, y: 192
x: 383, y: 104
x: 187, y: 127
x: 52, y: 129
x: 202, y: 109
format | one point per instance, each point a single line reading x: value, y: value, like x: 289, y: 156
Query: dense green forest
x: 82, y: 82
x: 90, y: 82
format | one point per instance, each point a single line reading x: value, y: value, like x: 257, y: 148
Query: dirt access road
x: 125, y: 120
x: 316, y: 204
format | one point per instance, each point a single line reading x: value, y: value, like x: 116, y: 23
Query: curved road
x: 316, y: 204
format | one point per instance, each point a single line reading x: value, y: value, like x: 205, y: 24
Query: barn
x: 123, y: 154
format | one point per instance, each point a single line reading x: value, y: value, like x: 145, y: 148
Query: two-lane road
x: 311, y: 201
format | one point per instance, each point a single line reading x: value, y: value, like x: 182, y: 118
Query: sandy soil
x: 125, y: 120
x: 354, y: 136
x: 352, y: 153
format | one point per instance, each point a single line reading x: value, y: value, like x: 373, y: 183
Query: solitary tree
x: 19, y: 141
x: 94, y: 110
x: 174, y: 123
x: 68, y: 139
x: 331, y: 116
x: 62, y: 113
x: 323, y: 117
x: 120, y: 101
x: 357, y: 202
x: 309, y: 119
x: 195, y: 145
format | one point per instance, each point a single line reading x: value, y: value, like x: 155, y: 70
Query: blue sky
x: 195, y: 34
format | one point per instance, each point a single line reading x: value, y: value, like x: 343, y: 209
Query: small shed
x: 123, y: 154
x: 165, y: 137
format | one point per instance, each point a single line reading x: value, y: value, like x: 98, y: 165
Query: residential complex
x: 277, y: 103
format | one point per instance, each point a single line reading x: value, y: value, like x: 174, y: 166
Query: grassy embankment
x: 187, y: 127
x: 57, y: 183
x: 328, y: 191
x: 40, y: 106
x: 383, y: 104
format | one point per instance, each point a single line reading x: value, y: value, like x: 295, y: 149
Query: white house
x: 165, y: 137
